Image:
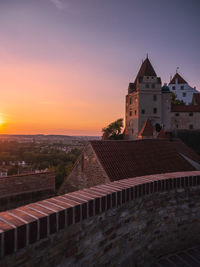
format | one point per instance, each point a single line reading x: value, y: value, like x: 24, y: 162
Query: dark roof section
x: 163, y: 134
x: 196, y: 99
x: 131, y: 88
x: 147, y: 129
x: 180, y: 79
x: 146, y: 69
x: 185, y: 108
x: 125, y: 159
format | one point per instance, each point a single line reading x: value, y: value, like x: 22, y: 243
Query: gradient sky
x: 65, y: 65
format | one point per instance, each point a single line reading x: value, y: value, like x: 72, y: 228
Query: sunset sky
x: 65, y: 65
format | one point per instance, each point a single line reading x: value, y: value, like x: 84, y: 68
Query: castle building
x: 146, y: 99
x: 182, y: 89
x: 149, y: 105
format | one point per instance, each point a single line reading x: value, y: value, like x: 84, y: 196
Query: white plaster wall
x: 179, y: 92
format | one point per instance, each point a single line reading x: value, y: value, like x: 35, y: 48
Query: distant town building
x: 3, y: 172
x: 182, y: 89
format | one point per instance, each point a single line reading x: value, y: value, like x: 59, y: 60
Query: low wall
x: 130, y: 222
x: 22, y: 189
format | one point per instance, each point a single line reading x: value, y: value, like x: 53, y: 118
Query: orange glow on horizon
x: 41, y: 98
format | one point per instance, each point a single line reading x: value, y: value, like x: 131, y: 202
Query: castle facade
x: 149, y: 106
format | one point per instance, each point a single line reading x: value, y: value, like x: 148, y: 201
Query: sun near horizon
x: 65, y: 65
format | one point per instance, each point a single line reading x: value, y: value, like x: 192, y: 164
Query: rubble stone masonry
x: 130, y: 222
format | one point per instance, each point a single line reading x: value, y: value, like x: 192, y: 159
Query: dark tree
x: 113, y: 130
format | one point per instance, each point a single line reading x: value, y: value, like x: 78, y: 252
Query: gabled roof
x: 147, y: 129
x: 146, y: 69
x: 180, y: 79
x: 125, y: 159
x: 162, y: 134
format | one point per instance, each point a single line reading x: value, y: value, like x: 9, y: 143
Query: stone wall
x: 19, y: 190
x: 130, y: 222
x: 87, y: 172
x: 185, y: 120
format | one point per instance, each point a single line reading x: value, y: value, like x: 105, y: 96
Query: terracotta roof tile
x: 185, y: 108
x: 180, y: 79
x: 163, y: 134
x: 196, y: 99
x: 147, y: 129
x: 125, y: 159
x: 146, y: 69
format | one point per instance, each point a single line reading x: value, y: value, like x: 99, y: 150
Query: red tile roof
x: 162, y: 134
x: 124, y: 159
x: 26, y: 183
x: 147, y: 129
x: 146, y: 69
x: 180, y: 79
x: 185, y: 108
x: 196, y: 99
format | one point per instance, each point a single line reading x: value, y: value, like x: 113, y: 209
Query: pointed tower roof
x: 179, y: 79
x: 162, y: 134
x: 146, y: 69
x: 147, y: 130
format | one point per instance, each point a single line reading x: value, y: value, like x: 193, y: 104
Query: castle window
x: 130, y: 113
x: 147, y: 85
x: 153, y: 85
x: 182, y: 87
x: 190, y: 126
x: 184, y: 94
x: 177, y: 114
x: 154, y: 97
x: 130, y: 101
x: 190, y: 114
x: 173, y: 87
x: 155, y: 110
x: 143, y: 111
x: 135, y: 112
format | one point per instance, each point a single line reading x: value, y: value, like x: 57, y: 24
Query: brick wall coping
x: 28, y: 224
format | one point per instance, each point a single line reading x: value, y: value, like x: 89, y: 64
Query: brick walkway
x: 186, y: 258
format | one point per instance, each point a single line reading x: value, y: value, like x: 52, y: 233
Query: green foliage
x: 176, y: 101
x: 38, y: 157
x: 114, y: 129
x: 62, y: 171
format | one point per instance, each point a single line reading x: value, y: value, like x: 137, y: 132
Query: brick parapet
x: 28, y: 224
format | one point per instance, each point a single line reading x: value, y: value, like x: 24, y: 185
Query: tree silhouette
x: 113, y: 130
